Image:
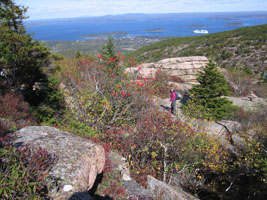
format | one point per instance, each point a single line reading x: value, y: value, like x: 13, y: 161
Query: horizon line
x: 92, y: 16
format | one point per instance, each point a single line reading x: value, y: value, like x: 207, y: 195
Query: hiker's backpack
x: 178, y: 96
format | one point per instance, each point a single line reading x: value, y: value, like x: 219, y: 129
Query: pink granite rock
x: 185, y: 68
x: 79, y: 160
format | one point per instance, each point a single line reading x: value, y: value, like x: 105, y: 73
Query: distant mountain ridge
x: 142, y: 16
x: 244, y: 47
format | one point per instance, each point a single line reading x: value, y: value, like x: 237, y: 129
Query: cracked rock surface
x: 78, y: 160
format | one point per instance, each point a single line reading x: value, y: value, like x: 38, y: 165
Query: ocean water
x: 73, y: 30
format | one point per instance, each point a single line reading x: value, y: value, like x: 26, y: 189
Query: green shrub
x: 70, y: 124
x: 52, y: 102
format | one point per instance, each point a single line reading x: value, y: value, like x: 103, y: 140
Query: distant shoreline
x: 196, y: 26
x: 103, y: 35
x: 155, y: 30
x: 234, y: 24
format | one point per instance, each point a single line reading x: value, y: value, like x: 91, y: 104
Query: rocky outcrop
x: 78, y: 160
x: 185, y: 68
x: 164, y: 191
x: 247, y: 103
x: 132, y: 188
x: 251, y: 97
x: 180, y: 87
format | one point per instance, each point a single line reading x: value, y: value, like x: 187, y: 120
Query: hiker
x: 173, y: 100
x: 174, y: 96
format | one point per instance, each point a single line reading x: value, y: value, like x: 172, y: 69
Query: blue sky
x: 45, y: 9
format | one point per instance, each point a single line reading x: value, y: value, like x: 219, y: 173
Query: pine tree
x: 207, y: 96
x: 21, y: 58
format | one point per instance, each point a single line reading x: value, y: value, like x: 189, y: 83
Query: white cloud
x: 77, y: 8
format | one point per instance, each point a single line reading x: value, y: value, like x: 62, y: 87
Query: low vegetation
x: 109, y: 107
x: 244, y: 47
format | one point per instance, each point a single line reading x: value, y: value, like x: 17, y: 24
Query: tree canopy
x: 21, y: 58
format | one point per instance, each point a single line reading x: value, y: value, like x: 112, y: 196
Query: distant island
x: 104, y: 35
x: 196, y: 26
x: 234, y: 24
x: 155, y: 30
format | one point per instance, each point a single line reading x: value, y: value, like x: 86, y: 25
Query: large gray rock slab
x: 78, y: 160
x: 246, y: 104
x: 164, y: 191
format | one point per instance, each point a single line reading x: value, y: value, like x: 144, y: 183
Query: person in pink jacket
x: 173, y: 100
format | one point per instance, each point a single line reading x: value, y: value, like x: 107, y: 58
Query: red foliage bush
x: 13, y: 107
x: 152, y: 145
x: 14, y: 112
x: 103, y: 98
x: 23, y: 172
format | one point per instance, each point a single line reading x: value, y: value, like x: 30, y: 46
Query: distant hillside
x: 244, y: 47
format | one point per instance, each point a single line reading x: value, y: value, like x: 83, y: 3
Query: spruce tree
x: 110, y: 57
x: 108, y: 51
x: 207, y: 96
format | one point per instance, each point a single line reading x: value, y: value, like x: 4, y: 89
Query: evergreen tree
x: 78, y: 54
x: 206, y: 97
x: 110, y: 57
x: 22, y: 61
x: 21, y: 57
x: 108, y: 50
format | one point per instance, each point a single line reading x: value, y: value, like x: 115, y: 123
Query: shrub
x: 163, y: 148
x: 240, y: 80
x: 100, y: 98
x: 23, y: 173
x: 14, y: 113
x: 70, y: 124
x: 51, y: 106
x: 260, y: 89
x: 13, y: 107
x: 245, y: 177
x: 159, y: 86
